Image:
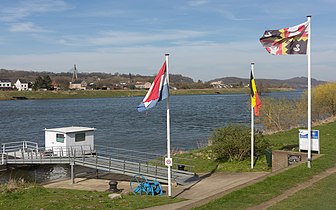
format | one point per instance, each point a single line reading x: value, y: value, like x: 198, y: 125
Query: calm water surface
x: 118, y: 124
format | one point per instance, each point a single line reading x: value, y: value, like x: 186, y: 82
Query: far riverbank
x: 62, y: 94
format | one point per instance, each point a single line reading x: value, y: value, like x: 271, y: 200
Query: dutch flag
x: 157, y: 92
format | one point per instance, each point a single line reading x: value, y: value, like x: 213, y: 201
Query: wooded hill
x: 296, y: 82
x: 176, y: 80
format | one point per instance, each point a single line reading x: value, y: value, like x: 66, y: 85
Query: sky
x: 206, y: 39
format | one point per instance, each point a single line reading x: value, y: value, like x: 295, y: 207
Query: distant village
x: 44, y: 81
x: 76, y: 84
x: 72, y: 82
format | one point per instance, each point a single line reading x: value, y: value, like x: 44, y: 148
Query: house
x: 217, y: 84
x: 65, y: 140
x: 141, y: 85
x: 21, y: 84
x: 5, y: 84
x: 78, y: 85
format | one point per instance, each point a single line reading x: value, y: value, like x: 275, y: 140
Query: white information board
x: 315, y: 138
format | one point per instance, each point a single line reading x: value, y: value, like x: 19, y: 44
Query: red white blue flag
x: 157, y: 92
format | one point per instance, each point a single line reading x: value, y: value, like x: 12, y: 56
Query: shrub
x: 233, y: 142
x: 323, y: 101
x: 280, y: 114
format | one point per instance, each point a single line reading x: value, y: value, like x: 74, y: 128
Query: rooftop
x: 72, y: 129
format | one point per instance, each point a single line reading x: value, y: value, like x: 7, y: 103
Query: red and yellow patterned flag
x: 255, y: 100
x: 292, y: 40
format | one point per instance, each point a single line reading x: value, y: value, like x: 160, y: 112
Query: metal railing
x: 104, y: 158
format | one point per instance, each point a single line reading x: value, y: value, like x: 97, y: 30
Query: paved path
x: 211, y: 186
x: 288, y: 193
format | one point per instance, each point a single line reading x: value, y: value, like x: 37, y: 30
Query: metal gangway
x: 108, y: 159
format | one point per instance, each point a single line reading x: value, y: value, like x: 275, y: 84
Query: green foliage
x: 275, y: 185
x: 234, y: 142
x: 42, y: 83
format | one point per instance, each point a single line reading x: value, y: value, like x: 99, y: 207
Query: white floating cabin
x: 69, y: 140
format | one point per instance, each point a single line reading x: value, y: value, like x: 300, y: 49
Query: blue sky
x: 206, y: 39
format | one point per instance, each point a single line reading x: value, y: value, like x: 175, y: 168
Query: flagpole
x: 168, y: 128
x: 309, y: 95
x: 252, y: 126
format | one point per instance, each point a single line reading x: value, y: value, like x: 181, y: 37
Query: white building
x: 21, y: 85
x: 78, y: 85
x: 69, y: 140
x: 5, y: 84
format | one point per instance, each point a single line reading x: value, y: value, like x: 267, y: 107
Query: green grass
x: 274, y: 185
x: 203, y: 161
x: 322, y: 195
x: 37, y: 197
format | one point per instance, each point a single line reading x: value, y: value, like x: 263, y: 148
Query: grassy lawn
x: 203, y: 161
x: 322, y: 195
x: 276, y: 184
x: 37, y: 197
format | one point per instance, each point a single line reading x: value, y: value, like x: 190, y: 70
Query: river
x: 118, y: 124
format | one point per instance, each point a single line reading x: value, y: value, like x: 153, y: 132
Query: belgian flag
x: 255, y: 100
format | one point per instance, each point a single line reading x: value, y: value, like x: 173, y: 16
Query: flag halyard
x: 286, y: 41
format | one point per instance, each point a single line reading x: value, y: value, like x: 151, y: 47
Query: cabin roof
x: 73, y: 129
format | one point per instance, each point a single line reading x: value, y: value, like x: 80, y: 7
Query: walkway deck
x: 106, y: 159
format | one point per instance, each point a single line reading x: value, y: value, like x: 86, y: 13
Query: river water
x: 118, y: 124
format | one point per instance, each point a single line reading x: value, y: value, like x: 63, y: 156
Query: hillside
x: 296, y: 82
x: 176, y: 80
x: 100, y: 79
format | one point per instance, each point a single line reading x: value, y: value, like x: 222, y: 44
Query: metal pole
x: 309, y: 95
x: 72, y: 173
x: 3, y: 155
x: 168, y: 127
x: 252, y: 126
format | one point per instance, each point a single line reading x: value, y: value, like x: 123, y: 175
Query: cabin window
x: 60, y: 138
x: 79, y: 137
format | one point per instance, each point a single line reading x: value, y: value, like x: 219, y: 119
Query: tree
x: 47, y: 82
x: 42, y: 83
x: 38, y: 83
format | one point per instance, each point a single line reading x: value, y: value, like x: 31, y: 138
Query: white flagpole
x: 168, y: 128
x: 309, y: 96
x: 252, y: 125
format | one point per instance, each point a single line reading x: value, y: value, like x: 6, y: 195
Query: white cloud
x: 196, y: 3
x: 31, y: 7
x: 119, y: 38
x: 25, y: 27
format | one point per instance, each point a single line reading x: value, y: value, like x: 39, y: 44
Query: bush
x: 323, y: 101
x: 234, y: 142
x: 280, y: 114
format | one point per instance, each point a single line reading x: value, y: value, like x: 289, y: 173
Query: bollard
x: 180, y: 167
x: 113, y: 186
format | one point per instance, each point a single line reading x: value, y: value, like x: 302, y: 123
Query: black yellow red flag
x: 255, y: 100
